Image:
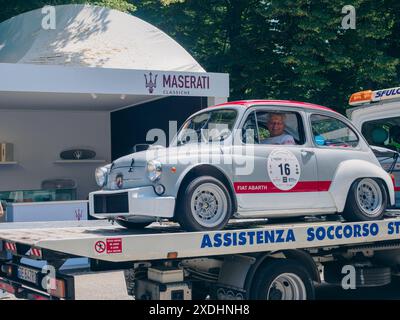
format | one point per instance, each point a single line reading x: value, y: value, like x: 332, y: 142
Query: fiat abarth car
x: 247, y: 159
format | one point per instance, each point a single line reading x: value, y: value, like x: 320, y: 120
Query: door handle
x: 305, y: 152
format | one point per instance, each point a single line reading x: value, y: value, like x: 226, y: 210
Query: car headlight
x: 101, y: 176
x: 154, y: 169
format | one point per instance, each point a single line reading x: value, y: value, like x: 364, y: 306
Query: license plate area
x: 27, y: 274
x: 111, y: 203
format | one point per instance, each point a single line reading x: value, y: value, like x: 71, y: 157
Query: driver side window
x: 249, y: 130
x: 274, y: 128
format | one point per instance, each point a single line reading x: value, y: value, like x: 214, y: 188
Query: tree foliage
x: 284, y: 49
x: 12, y: 8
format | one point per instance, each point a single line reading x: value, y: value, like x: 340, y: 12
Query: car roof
x: 286, y: 103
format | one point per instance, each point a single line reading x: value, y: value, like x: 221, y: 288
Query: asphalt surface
x: 329, y: 292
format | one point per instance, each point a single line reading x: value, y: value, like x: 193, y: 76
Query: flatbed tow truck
x: 250, y: 259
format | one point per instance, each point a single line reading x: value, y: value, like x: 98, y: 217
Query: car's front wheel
x: 205, y: 204
x: 367, y: 200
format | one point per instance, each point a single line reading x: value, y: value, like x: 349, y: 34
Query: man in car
x: 276, y: 127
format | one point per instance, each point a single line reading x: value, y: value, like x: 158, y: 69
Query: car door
x: 279, y: 178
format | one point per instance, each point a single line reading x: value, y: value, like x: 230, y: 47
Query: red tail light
x: 7, y: 287
x: 59, y: 290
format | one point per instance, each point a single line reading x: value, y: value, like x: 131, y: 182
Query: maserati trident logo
x: 78, y: 154
x: 150, y: 83
x: 78, y: 214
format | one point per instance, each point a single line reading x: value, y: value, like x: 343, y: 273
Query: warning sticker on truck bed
x: 114, y: 245
x: 109, y: 246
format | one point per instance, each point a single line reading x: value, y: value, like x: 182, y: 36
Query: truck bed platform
x: 103, y: 241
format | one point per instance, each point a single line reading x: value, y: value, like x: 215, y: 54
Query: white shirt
x: 282, y: 139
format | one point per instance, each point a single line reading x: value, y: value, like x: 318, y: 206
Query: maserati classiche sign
x: 181, y: 84
x: 107, y: 81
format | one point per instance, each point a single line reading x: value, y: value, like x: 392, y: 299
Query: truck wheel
x: 365, y: 276
x: 204, y: 205
x: 132, y: 225
x: 366, y: 200
x: 282, y: 279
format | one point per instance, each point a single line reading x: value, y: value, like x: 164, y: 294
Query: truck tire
x: 367, y: 200
x: 282, y: 279
x: 204, y: 205
x: 365, y: 276
x: 133, y: 225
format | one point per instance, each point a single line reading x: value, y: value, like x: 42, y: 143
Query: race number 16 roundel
x: 283, y: 169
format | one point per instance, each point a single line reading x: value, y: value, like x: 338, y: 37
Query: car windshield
x: 208, y: 126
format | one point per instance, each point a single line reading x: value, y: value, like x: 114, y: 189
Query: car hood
x: 168, y: 155
x: 132, y: 167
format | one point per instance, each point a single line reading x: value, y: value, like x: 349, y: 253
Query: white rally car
x: 248, y: 159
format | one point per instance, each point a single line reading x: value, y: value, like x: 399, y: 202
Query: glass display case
x: 40, y: 195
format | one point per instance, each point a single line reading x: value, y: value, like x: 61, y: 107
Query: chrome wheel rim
x: 287, y: 286
x: 369, y: 197
x: 209, y: 205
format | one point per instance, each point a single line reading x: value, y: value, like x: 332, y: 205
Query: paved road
x: 327, y: 292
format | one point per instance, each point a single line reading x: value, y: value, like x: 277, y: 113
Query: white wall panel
x: 40, y: 136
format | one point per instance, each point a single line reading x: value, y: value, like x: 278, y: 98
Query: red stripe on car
x: 269, y: 187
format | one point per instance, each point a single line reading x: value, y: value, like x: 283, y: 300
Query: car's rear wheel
x: 366, y: 200
x: 204, y: 205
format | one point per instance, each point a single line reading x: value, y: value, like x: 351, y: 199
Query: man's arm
x: 289, y: 140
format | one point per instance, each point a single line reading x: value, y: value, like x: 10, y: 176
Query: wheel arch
x: 301, y: 256
x: 387, y: 190
x: 206, y: 170
x: 240, y: 270
x: 349, y: 171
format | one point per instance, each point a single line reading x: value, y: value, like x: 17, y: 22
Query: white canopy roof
x: 91, y: 36
x: 95, y: 59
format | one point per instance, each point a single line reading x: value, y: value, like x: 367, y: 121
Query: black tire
x: 185, y: 214
x: 133, y: 225
x: 263, y: 287
x: 354, y: 211
x: 366, y: 276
